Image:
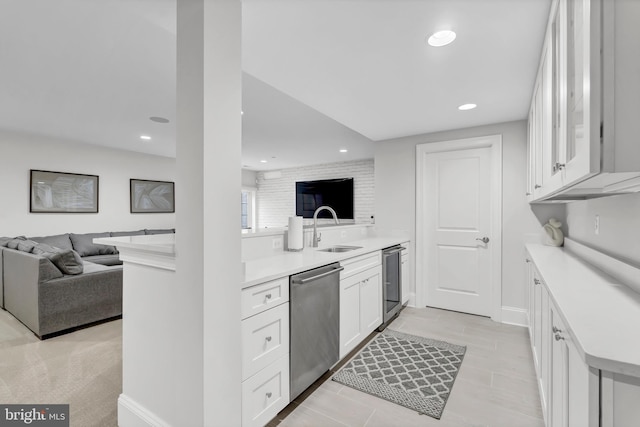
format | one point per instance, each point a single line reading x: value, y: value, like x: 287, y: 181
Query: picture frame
x: 148, y: 196
x: 63, y: 192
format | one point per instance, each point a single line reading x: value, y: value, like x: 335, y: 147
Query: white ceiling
x: 320, y: 75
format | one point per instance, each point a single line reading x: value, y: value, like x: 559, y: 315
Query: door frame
x: 494, y: 142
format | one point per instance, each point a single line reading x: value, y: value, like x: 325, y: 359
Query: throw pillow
x: 67, y: 261
x: 13, y: 243
x: 58, y: 240
x: 83, y: 244
x: 43, y: 248
x: 4, y: 241
x: 26, y: 245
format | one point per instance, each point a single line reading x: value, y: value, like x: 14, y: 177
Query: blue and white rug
x: 408, y: 370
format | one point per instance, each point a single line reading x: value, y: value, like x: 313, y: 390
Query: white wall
x: 276, y: 198
x: 395, y: 169
x: 249, y: 178
x: 619, y: 234
x: 21, y: 152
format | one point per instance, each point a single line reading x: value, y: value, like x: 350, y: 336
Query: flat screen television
x: 336, y: 193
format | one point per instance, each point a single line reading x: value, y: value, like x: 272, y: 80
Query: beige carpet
x: 82, y: 369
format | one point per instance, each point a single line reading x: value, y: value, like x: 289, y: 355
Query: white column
x: 207, y: 288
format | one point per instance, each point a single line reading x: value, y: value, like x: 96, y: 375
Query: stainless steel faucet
x: 316, y: 235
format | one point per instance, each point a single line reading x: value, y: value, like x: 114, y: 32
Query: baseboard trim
x: 132, y: 414
x: 514, y: 316
x: 410, y: 300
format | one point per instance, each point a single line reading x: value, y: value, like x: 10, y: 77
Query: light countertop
x: 603, y: 314
x: 287, y: 263
x: 154, y: 243
x: 262, y: 269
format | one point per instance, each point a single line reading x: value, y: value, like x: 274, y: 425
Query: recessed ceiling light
x: 145, y: 137
x: 263, y: 161
x: 467, y: 107
x: 159, y: 119
x: 343, y: 150
x: 441, y: 38
x: 241, y: 112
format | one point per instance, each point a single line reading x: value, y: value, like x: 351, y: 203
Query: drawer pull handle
x: 267, y: 296
x: 559, y: 337
x: 536, y: 281
x: 269, y: 395
x: 268, y: 338
x: 556, y: 330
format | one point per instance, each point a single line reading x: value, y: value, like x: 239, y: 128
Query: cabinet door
x: 572, y: 384
x: 370, y: 302
x: 559, y: 403
x: 552, y: 135
x: 620, y: 397
x: 582, y: 389
x: 350, y: 327
x: 531, y: 298
x: 406, y: 279
x: 578, y: 76
x: 537, y: 323
x: 545, y: 350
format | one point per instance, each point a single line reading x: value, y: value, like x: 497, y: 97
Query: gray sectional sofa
x: 55, y: 283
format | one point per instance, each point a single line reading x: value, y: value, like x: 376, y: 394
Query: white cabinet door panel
x: 350, y: 326
x: 265, y: 338
x: 371, y: 302
x: 265, y: 394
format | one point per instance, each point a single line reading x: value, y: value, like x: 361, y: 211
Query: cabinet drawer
x: 265, y: 394
x: 259, y: 298
x: 265, y: 338
x: 361, y: 263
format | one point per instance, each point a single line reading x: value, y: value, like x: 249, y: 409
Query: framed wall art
x: 63, y: 192
x: 152, y: 196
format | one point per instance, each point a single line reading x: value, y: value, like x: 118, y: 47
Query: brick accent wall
x: 276, y: 198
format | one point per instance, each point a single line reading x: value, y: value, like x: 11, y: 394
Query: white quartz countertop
x: 603, y: 314
x: 157, y: 243
x: 287, y: 263
x: 262, y: 269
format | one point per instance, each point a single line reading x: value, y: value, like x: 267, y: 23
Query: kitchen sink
x: 340, y: 248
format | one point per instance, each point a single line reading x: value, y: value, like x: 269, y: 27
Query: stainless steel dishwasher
x: 314, y: 304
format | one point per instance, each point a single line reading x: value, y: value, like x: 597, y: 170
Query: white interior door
x: 456, y: 228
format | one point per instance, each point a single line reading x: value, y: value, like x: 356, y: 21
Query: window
x: 247, y: 199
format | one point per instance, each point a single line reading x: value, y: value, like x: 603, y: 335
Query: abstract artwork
x: 152, y: 196
x: 61, y: 192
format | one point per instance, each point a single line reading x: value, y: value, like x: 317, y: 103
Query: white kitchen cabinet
x: 360, y: 300
x: 570, y: 390
x: 531, y: 300
x: 543, y: 339
x: 265, y: 351
x: 573, y: 385
x: 582, y: 120
x: 265, y: 394
x: 407, y: 277
x: 620, y: 400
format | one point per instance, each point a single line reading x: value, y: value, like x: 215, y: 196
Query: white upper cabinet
x: 582, y: 133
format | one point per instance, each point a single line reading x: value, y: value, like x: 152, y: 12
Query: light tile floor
x: 496, y: 385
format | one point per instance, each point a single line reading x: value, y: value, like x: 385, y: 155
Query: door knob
x: 483, y: 240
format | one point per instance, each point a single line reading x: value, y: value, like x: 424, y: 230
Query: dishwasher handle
x: 319, y: 276
x: 394, y: 250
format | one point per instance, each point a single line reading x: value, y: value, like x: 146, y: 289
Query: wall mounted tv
x: 336, y: 193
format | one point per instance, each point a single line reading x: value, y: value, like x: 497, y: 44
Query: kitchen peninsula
x: 149, y: 293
